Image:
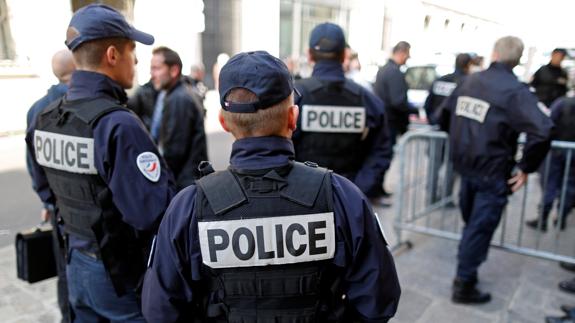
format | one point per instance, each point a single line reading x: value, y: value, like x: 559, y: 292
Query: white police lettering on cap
x: 267, y: 241
x: 149, y: 165
x: 443, y: 88
x: 323, y: 118
x: 472, y: 108
x: 68, y: 153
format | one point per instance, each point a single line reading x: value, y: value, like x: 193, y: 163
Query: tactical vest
x: 333, y: 125
x: 64, y: 147
x: 566, y: 123
x: 267, y: 239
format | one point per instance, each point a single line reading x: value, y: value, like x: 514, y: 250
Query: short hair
x: 462, y: 61
x: 560, y: 51
x: 509, y: 50
x: 197, y: 67
x: 264, y: 122
x: 90, y: 53
x: 171, y: 58
x: 317, y: 55
x: 402, y: 46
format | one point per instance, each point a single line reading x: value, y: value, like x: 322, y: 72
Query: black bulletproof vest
x: 283, y: 293
x: 83, y: 200
x: 344, y: 153
x: 565, y: 129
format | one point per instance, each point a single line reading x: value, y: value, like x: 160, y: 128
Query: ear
x: 223, y: 122
x: 174, y: 71
x: 293, y: 113
x: 112, y: 55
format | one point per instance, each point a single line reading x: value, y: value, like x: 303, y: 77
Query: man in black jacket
x: 391, y: 87
x: 550, y: 81
x: 169, y: 110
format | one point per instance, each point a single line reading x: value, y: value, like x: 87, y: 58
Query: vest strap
x: 307, y: 194
x: 92, y: 110
x: 222, y: 191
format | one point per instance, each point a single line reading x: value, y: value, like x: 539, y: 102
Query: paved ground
x: 524, y: 288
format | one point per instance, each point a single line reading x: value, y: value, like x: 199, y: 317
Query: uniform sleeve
x: 427, y: 106
x: 167, y: 293
x: 184, y: 139
x: 370, y: 176
x: 525, y: 116
x: 119, y: 138
x: 442, y: 116
x: 536, y: 81
x: 556, y: 109
x: 372, y: 286
x: 39, y: 180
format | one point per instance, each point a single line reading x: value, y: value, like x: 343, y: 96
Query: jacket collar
x: 261, y: 152
x: 86, y: 84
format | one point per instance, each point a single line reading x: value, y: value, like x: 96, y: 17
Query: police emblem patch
x: 149, y: 165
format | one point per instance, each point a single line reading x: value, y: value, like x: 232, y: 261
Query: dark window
x: 426, y: 22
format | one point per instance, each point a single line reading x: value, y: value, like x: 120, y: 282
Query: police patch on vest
x: 149, y: 165
x: 322, y: 118
x: 443, y: 88
x: 267, y: 241
x: 472, y: 108
x: 68, y: 153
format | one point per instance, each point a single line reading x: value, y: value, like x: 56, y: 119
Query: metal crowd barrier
x: 426, y: 200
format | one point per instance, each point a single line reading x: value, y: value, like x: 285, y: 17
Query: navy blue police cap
x: 259, y: 72
x: 97, y: 21
x: 327, y: 38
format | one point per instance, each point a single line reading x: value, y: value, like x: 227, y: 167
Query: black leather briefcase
x: 35, y: 259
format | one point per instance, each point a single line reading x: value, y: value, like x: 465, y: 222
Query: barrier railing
x: 426, y: 199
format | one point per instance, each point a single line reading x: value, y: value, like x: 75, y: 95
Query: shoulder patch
x: 149, y: 165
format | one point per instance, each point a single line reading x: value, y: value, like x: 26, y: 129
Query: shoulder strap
x: 305, y: 182
x: 92, y: 110
x: 352, y: 87
x: 311, y: 84
x: 52, y: 106
x: 222, y: 191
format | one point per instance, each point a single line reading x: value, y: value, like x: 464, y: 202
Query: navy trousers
x: 482, y: 203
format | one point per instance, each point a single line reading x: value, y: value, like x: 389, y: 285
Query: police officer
x: 268, y: 239
x: 563, y: 116
x: 439, y: 91
x: 95, y: 161
x: 550, y: 81
x: 488, y: 111
x: 342, y: 126
x: 62, y: 67
x: 443, y: 86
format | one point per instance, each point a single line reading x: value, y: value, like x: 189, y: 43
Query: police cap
x: 97, y: 21
x: 327, y: 38
x: 259, y: 72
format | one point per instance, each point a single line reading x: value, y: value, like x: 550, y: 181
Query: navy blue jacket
x: 368, y: 178
x: 485, y: 115
x: 391, y: 87
x: 441, y: 89
x: 54, y: 93
x: 372, y: 284
x: 119, y: 137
